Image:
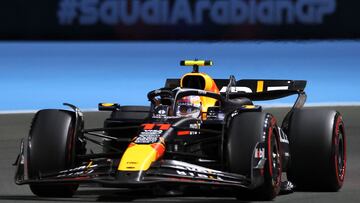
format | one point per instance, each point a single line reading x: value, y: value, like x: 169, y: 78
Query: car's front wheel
x: 51, y: 148
x: 246, y: 131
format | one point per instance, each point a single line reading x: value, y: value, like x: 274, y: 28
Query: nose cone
x: 139, y: 157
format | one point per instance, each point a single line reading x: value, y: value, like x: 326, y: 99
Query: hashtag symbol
x: 67, y: 11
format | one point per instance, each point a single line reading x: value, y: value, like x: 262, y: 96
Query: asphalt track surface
x: 15, y: 126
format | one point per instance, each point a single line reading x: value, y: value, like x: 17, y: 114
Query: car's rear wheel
x: 51, y: 148
x: 245, y: 132
x: 318, y: 150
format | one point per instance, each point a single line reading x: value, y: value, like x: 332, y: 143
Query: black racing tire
x: 51, y: 149
x: 245, y: 131
x: 318, y: 150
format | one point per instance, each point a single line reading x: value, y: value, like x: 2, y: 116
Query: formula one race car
x: 198, y: 131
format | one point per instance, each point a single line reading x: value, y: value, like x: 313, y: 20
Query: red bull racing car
x: 198, y: 131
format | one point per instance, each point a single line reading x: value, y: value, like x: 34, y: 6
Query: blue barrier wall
x: 38, y: 75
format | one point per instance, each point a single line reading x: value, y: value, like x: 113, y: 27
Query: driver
x: 189, y: 106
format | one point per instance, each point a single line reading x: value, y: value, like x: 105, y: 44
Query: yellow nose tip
x: 139, y: 157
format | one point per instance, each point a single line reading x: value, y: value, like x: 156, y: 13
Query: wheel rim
x: 275, y: 162
x: 340, y: 156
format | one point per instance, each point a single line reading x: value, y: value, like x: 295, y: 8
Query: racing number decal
x: 151, y: 126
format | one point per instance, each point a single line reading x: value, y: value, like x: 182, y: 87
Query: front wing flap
x: 165, y: 171
x: 194, y: 173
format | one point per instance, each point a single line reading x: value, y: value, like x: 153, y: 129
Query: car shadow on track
x: 115, y: 198
x: 96, y: 194
x: 93, y: 195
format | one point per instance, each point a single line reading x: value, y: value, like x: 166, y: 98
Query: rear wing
x: 264, y: 89
x: 253, y: 89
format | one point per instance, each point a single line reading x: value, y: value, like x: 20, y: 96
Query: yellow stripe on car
x: 260, y: 86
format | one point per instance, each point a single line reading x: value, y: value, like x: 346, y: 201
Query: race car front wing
x: 104, y: 172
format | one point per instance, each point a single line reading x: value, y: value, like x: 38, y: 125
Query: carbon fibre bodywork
x: 155, y: 146
x: 194, y: 154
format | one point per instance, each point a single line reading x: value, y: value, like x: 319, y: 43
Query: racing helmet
x: 189, y: 106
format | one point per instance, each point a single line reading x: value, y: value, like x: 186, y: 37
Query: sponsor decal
x: 200, y: 172
x: 202, y: 92
x: 194, y: 126
x: 277, y: 88
x: 248, y: 90
x: 162, y: 112
x: 283, y: 136
x: 194, y: 12
x: 237, y: 89
x: 194, y: 168
x: 259, y: 153
x: 148, y: 136
x: 151, y: 133
x: 82, y: 170
x: 188, y: 132
x: 234, y: 113
x: 196, y: 174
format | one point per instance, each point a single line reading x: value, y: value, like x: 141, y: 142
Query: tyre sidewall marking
x: 269, y: 154
x: 339, y: 178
